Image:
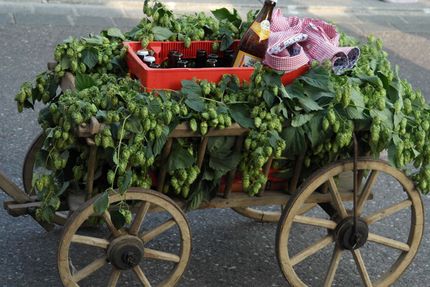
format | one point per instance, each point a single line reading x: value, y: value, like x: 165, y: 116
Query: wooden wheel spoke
x: 150, y: 235
x: 388, y: 211
x: 388, y: 242
x: 305, y: 208
x: 160, y: 255
x: 367, y: 190
x: 89, y: 269
x: 114, y: 277
x: 107, y: 218
x: 337, y: 199
x: 91, y: 241
x: 320, y: 222
x: 314, y: 248
x: 334, y: 263
x: 361, y: 268
x: 140, y: 217
x: 142, y: 277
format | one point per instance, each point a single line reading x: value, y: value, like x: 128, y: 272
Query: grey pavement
x: 228, y: 250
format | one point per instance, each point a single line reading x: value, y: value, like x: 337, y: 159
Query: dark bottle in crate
x: 253, y: 45
x: 173, y: 58
x: 201, y: 58
x: 228, y: 58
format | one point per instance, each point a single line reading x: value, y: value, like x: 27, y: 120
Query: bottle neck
x: 266, y: 11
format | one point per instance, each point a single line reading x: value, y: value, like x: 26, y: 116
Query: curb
x: 134, y: 8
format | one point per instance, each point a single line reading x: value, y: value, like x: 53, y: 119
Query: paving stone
x: 133, y: 13
x: 127, y: 23
x: 99, y: 11
x: 373, y: 24
x: 92, y: 21
x: 8, y: 7
x: 39, y: 19
x: 415, y: 24
x: 6, y: 19
x: 54, y: 9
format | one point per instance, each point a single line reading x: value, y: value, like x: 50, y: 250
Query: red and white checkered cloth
x: 309, y: 39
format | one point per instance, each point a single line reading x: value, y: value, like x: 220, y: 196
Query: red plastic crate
x: 171, y: 78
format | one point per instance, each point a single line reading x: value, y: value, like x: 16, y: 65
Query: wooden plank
x: 183, y: 131
x: 91, y: 171
x: 202, y: 151
x: 240, y: 199
x: 163, y: 170
x: 19, y: 209
x: 68, y: 82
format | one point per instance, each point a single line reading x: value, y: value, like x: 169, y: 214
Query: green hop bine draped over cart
x: 306, y: 155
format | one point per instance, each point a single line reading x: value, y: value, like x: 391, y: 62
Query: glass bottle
x: 228, y: 58
x: 253, y: 45
x: 201, y: 58
x: 173, y: 58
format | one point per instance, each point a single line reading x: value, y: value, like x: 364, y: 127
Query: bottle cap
x: 142, y: 52
x: 149, y: 59
x: 201, y: 52
x: 213, y: 56
x: 212, y: 63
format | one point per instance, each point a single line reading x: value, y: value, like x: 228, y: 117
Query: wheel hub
x: 126, y: 252
x: 348, y: 238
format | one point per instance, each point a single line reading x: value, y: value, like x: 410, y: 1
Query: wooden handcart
x: 341, y: 219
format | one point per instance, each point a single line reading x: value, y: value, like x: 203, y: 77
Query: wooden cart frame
x: 126, y: 247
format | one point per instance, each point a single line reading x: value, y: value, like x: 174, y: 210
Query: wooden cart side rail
x: 183, y: 131
x: 241, y: 199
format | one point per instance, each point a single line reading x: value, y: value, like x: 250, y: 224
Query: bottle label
x: 262, y: 29
x: 245, y: 60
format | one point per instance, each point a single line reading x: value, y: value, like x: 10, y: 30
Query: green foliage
x: 316, y: 115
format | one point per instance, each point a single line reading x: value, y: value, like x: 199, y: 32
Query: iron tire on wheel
x: 407, y: 250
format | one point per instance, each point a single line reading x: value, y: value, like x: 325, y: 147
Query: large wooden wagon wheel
x: 128, y: 250
x: 333, y: 242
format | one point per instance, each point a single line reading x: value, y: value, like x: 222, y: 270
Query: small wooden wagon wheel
x: 30, y: 159
x: 125, y: 250
x: 60, y: 217
x: 343, y: 236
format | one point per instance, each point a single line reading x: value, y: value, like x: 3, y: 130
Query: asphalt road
x: 228, y: 250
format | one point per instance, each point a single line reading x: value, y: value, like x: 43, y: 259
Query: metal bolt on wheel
x: 337, y: 230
